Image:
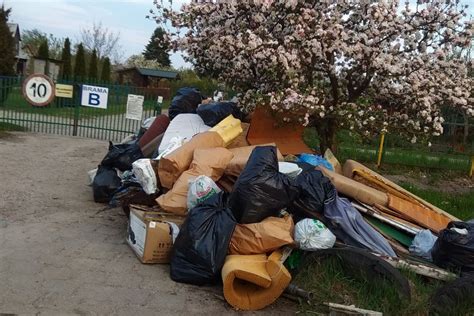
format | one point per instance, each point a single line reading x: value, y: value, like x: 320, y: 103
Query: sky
x: 65, y: 18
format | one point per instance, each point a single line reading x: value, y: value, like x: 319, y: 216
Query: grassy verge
x: 5, y: 127
x: 329, y: 283
x: 459, y: 205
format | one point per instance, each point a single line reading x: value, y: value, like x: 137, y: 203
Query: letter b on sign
x: 94, y: 99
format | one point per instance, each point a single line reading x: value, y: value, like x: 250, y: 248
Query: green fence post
x: 76, y: 111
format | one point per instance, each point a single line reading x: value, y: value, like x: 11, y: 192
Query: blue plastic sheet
x: 315, y: 160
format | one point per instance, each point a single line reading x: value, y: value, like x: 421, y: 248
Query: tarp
x: 263, y: 237
x: 349, y: 226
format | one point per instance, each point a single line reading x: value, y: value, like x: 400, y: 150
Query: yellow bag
x: 229, y: 129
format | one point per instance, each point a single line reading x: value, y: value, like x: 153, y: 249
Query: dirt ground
x: 61, y: 254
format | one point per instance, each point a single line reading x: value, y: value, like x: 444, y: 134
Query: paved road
x: 61, y: 254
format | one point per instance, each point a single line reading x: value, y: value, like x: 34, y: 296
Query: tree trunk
x: 466, y: 129
x: 327, y: 134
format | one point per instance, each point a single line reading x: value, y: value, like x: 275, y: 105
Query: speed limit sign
x: 38, y: 90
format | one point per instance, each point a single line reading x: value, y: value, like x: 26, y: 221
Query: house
x: 145, y: 77
x: 21, y: 58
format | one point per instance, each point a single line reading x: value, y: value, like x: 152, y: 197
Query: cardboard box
x: 150, y: 237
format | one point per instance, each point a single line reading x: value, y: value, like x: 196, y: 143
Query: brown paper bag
x: 210, y: 162
x: 175, y: 163
x: 263, y: 237
x: 241, y: 156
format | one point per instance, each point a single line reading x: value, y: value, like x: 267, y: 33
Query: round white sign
x: 38, y: 90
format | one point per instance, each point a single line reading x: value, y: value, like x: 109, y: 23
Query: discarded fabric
x: 349, y: 226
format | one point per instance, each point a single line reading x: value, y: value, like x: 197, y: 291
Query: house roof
x: 154, y: 72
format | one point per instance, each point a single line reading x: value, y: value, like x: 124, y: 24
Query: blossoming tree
x: 368, y: 66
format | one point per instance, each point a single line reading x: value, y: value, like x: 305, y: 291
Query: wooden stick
x: 352, y: 309
x: 419, y: 268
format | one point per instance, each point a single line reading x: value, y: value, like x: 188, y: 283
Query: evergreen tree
x: 80, y: 66
x: 93, y: 65
x: 7, y: 45
x: 157, y: 49
x: 105, y: 74
x: 43, y: 50
x: 43, y: 53
x: 66, y: 58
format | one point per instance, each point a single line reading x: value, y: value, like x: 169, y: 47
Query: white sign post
x: 134, y: 107
x: 38, y: 90
x: 95, y: 97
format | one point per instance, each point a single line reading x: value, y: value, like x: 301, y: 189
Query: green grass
x: 4, y: 127
x: 329, y: 282
x: 459, y: 205
x: 352, y: 146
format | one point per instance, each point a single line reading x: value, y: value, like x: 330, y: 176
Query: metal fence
x: 67, y: 117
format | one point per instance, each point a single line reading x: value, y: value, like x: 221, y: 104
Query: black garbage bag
x: 201, y: 247
x: 261, y: 191
x: 314, y: 190
x: 453, y: 249
x: 186, y: 100
x: 106, y: 182
x: 122, y: 156
x: 213, y: 113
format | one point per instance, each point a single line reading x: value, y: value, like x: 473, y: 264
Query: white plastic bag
x: 91, y: 174
x: 312, y: 235
x: 200, y: 189
x: 422, y: 244
x: 145, y: 174
x: 173, y: 144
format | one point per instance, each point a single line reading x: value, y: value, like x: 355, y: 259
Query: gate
x: 67, y: 117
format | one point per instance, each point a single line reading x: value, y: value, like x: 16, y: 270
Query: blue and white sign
x: 95, y: 97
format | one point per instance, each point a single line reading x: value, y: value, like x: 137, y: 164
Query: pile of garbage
x: 220, y: 209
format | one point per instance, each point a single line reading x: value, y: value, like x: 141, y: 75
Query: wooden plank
x: 419, y: 268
